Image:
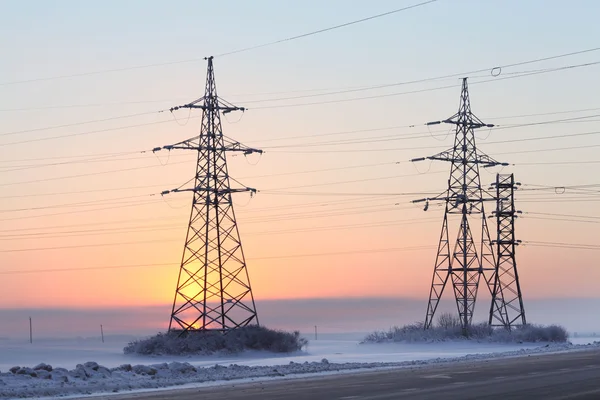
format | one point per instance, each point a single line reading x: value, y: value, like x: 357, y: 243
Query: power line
x: 51, y: 270
x: 545, y: 113
x: 558, y: 163
x: 153, y: 228
x: 70, y: 135
x: 417, y: 135
x: 423, y: 80
x: 326, y: 29
x: 366, y: 251
x: 222, y: 54
x: 84, y: 161
x: 524, y: 74
x: 350, y: 181
x: 158, y: 186
x: 89, y: 174
x: 563, y: 215
x: 77, y: 123
x: 332, y: 101
x: 565, y: 220
x: 63, y: 106
x: 95, y: 155
x: 127, y: 221
x: 4, y: 233
x: 88, y: 232
x: 91, y: 203
x: 286, y: 193
x: 563, y: 245
x: 310, y: 171
x: 78, y: 246
x: 137, y: 204
x: 551, y: 149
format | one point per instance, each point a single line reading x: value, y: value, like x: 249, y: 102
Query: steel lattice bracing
x: 507, y: 300
x: 469, y: 259
x: 213, y: 289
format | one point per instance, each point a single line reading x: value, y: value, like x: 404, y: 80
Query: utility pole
x: 507, y: 300
x: 102, y: 333
x: 30, y: 331
x: 465, y: 198
x: 213, y: 289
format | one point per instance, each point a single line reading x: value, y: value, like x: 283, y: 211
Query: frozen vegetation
x: 210, y: 342
x: 448, y: 327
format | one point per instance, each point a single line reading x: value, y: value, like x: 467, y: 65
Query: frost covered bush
x: 449, y: 327
x: 532, y: 334
x: 209, y: 342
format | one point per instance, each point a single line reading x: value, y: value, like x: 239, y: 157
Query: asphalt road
x: 573, y: 375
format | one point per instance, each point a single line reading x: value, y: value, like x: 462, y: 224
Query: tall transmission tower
x: 507, y: 300
x: 213, y: 289
x: 465, y: 197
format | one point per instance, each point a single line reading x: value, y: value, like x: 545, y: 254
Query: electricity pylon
x: 464, y: 197
x: 507, y: 299
x: 213, y: 289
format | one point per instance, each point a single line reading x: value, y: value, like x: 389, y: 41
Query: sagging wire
x: 247, y: 203
x: 434, y: 136
x: 228, y: 121
x: 257, y: 161
x: 170, y: 206
x: 158, y: 158
x: 186, y: 121
x: 417, y: 169
x: 489, y: 133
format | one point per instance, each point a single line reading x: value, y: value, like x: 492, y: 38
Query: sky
x: 79, y: 192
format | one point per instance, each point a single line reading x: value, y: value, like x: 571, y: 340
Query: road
x: 573, y: 375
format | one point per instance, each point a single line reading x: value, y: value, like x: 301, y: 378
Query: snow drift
x: 90, y: 377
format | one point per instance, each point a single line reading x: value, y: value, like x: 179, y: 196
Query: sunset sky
x: 333, y: 216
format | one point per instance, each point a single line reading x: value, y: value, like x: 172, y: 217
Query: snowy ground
x: 69, y: 378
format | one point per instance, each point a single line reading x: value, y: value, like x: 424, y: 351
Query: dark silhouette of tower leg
x: 507, y: 300
x: 464, y: 197
x: 213, y: 289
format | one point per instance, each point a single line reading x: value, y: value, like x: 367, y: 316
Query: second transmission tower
x: 465, y: 264
x: 507, y: 299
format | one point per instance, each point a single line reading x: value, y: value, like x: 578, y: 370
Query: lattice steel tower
x: 507, y: 300
x: 465, y: 197
x: 213, y: 289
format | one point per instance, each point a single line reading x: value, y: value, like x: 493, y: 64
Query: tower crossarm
x: 450, y: 155
x: 192, y: 144
x: 211, y: 190
x: 453, y: 199
x: 472, y: 123
x: 219, y: 105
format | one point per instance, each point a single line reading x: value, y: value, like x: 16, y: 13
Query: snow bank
x: 45, y: 381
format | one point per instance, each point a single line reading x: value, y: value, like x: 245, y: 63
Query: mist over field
x: 352, y: 316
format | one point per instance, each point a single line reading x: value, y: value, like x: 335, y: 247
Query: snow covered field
x: 323, y: 355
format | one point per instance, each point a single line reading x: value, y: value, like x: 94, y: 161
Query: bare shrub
x: 208, y: 342
x: 448, y: 321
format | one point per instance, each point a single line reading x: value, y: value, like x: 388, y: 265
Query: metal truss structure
x: 466, y: 263
x: 213, y: 289
x: 507, y: 299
